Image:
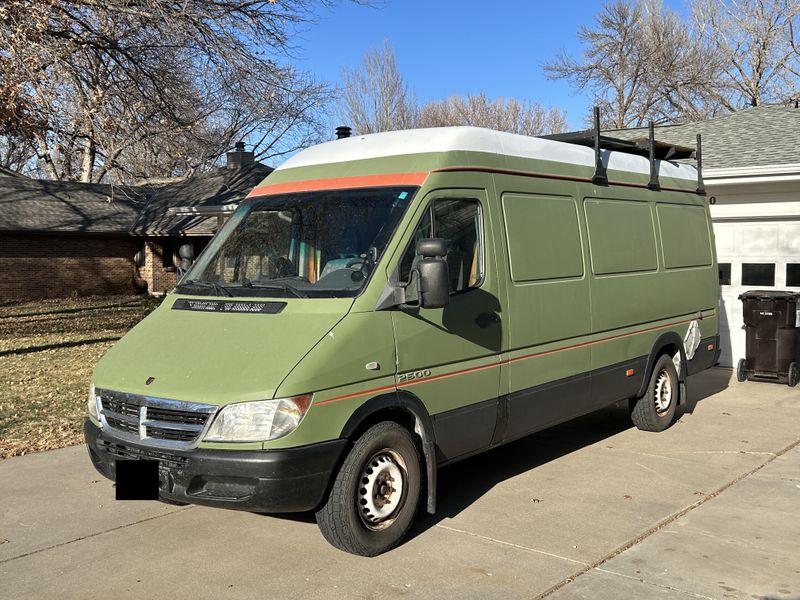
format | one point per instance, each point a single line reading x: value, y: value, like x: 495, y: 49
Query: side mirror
x: 434, y: 275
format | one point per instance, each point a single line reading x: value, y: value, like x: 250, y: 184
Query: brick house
x: 75, y: 239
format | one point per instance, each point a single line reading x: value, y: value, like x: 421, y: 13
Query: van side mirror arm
x: 428, y: 282
x: 397, y: 294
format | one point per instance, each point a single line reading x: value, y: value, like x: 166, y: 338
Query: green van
x: 383, y: 305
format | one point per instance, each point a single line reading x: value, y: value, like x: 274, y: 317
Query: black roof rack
x: 646, y: 146
x: 639, y: 146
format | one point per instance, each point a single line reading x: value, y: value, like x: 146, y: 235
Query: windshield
x: 310, y: 244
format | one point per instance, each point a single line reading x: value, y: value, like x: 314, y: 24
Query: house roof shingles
x: 759, y: 136
x: 218, y: 187
x: 34, y: 205
x: 67, y: 207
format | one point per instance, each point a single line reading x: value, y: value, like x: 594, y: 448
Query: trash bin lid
x: 769, y: 295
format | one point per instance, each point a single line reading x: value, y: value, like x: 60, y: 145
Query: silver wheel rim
x: 663, y: 392
x: 381, y: 489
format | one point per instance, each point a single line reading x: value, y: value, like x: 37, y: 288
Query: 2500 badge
x: 406, y: 377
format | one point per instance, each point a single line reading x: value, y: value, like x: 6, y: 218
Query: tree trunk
x: 89, y: 155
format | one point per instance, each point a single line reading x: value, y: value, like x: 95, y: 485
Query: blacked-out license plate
x: 137, y: 479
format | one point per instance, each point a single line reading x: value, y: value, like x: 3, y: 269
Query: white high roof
x: 475, y: 139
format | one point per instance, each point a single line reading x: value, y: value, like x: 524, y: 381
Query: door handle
x: 486, y: 319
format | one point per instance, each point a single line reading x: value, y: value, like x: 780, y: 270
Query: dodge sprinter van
x: 386, y: 304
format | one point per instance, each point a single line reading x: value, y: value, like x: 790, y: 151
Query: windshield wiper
x: 221, y: 290
x: 275, y: 286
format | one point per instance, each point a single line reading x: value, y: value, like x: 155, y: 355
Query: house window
x: 793, y: 274
x: 724, y: 273
x: 169, y: 251
x: 758, y: 274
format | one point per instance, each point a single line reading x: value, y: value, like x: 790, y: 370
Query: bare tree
x: 759, y: 45
x: 375, y: 97
x: 113, y: 89
x: 526, y: 118
x: 642, y: 62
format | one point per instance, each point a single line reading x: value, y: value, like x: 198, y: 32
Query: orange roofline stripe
x: 339, y: 183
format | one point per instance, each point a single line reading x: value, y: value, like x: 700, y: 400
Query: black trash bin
x: 773, y: 337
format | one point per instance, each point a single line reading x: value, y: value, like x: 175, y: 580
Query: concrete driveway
x: 591, y: 509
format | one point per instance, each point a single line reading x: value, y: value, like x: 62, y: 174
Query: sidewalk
x: 591, y: 509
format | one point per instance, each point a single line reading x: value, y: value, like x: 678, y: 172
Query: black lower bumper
x: 269, y: 481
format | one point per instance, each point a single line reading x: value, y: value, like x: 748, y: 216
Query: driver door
x: 449, y: 357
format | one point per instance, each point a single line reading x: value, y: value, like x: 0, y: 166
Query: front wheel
x: 794, y: 374
x: 655, y: 411
x: 375, y: 495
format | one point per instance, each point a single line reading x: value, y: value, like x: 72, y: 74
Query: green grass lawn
x: 47, y: 352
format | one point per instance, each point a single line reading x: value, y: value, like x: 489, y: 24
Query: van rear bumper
x: 268, y: 481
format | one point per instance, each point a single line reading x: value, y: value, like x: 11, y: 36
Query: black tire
x: 356, y: 519
x: 794, y: 374
x: 741, y: 370
x: 655, y: 411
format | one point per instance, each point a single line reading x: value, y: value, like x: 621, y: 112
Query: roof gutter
x: 753, y: 175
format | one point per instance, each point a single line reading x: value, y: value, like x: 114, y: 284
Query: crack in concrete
x: 511, y: 544
x: 95, y: 534
x: 753, y: 452
x: 666, y: 521
x: 650, y: 454
x: 654, y: 584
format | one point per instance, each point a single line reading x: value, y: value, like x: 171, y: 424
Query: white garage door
x: 752, y: 255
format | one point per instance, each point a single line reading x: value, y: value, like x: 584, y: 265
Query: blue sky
x: 446, y: 47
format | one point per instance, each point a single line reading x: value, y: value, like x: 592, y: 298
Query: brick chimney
x: 239, y: 158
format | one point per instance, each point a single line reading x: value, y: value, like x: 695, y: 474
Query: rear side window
x: 458, y: 222
x: 685, y: 239
x: 544, y: 241
x: 621, y: 236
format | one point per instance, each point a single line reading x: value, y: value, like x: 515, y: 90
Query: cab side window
x: 458, y: 222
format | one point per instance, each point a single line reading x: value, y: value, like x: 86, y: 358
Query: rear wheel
x: 374, y: 498
x: 741, y: 370
x: 655, y: 411
x: 794, y: 374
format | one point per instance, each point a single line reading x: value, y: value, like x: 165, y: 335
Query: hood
x: 216, y: 357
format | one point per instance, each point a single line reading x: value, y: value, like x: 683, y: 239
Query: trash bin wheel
x: 741, y: 370
x: 794, y: 374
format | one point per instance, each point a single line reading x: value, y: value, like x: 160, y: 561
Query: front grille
x: 153, y: 421
x: 120, y: 407
x: 131, y: 453
x: 163, y: 433
x: 176, y: 416
x: 122, y: 425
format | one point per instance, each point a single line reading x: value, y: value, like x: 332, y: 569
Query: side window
x: 458, y: 222
x: 685, y: 239
x: 621, y: 236
x: 544, y: 241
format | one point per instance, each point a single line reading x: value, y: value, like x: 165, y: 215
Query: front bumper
x: 269, y: 481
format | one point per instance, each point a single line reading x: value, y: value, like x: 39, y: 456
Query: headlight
x: 91, y: 403
x: 258, y: 421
